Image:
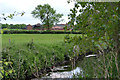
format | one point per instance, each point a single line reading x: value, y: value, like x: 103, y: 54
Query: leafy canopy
x: 47, y: 15
x: 100, y: 22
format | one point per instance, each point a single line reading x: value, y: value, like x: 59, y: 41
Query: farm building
x: 40, y: 27
x: 59, y: 27
x: 29, y: 27
x: 36, y: 27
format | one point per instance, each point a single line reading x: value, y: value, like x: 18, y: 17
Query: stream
x: 62, y: 72
x: 65, y: 74
x: 65, y: 71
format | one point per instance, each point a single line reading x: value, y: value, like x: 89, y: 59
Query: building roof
x: 60, y: 25
x: 38, y: 24
x: 56, y: 27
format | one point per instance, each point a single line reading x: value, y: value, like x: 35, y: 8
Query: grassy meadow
x: 42, y: 42
x: 21, y: 39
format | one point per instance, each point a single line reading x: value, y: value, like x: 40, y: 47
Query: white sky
x: 9, y: 6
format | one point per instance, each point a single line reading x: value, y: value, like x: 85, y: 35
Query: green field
x: 20, y: 39
x: 43, y: 43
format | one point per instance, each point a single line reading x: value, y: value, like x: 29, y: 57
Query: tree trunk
x: 48, y: 26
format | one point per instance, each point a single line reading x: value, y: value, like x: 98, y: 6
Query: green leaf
x: 1, y: 76
x: 10, y: 71
x: 6, y: 74
x: 1, y: 68
x: 1, y: 61
x: 6, y: 63
x: 22, y: 14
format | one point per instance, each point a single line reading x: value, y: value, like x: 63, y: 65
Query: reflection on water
x: 56, y: 73
x: 65, y: 71
x: 65, y: 74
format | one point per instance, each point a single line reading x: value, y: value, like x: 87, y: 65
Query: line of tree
x: 14, y: 26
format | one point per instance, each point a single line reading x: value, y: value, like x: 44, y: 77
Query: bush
x: 28, y: 62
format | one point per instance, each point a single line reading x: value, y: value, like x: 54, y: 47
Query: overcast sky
x: 9, y: 6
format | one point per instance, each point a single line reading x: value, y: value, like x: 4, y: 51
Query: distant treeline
x: 14, y: 26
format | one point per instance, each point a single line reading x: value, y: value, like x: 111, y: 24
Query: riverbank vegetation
x: 100, y: 22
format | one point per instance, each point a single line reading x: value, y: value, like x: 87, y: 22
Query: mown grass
x: 21, y: 39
